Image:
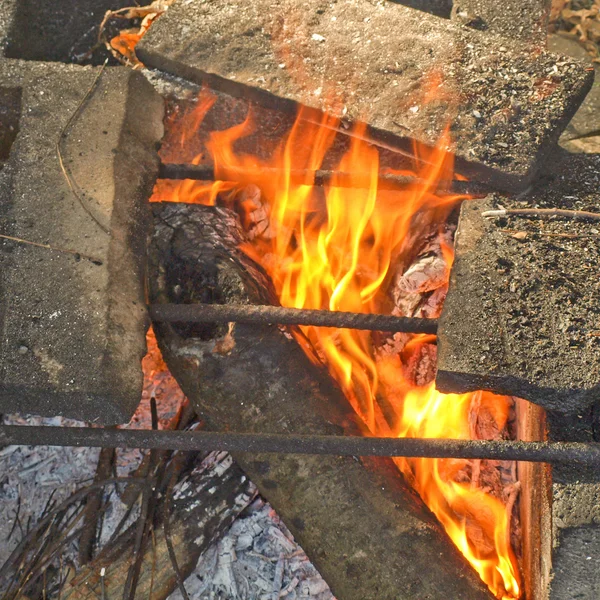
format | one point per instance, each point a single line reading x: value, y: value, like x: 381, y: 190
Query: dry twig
x: 63, y: 134
x: 122, y: 46
x: 542, y: 213
x: 94, y: 259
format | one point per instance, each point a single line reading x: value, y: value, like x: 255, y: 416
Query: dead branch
x: 542, y: 213
x: 63, y: 134
x: 197, y: 519
x: 95, y: 260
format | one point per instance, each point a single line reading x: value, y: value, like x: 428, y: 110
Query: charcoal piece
x: 521, y: 315
x: 367, y: 533
x: 406, y: 73
x: 72, y: 327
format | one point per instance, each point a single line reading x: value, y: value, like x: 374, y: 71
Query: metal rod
x: 549, y: 452
x: 250, y: 313
x: 321, y: 177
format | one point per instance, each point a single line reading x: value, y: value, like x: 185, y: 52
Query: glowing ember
x: 354, y: 249
x: 160, y: 384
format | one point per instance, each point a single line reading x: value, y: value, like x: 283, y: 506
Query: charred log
x: 365, y: 530
x: 196, y: 518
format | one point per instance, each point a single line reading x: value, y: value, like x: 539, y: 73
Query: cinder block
x: 514, y: 19
x: 521, y: 316
x: 407, y: 73
x: 73, y: 329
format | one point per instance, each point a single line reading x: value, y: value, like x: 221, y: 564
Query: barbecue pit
x: 75, y: 350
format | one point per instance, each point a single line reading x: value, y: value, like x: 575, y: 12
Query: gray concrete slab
x: 46, y: 30
x: 576, y: 552
x: 72, y: 331
x: 407, y: 73
x: 521, y: 316
x: 586, y: 121
x: 514, y: 19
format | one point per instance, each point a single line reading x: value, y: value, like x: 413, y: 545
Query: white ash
x: 34, y: 475
x: 257, y: 559
x: 171, y: 85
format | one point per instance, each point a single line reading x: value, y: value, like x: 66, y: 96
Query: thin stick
x: 148, y: 505
x: 168, y: 540
x: 542, y: 212
x: 102, y: 584
x: 570, y: 236
x: 63, y: 134
x: 90, y: 527
x: 76, y: 497
x: 95, y: 260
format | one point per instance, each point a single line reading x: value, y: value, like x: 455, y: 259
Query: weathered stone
x: 407, y: 73
x: 522, y: 311
x: 73, y: 329
x: 586, y: 121
x: 576, y: 555
x: 513, y: 19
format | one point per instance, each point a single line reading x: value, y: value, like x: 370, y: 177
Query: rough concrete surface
x: 576, y: 541
x: 586, y: 121
x: 405, y: 72
x: 575, y: 565
x: 515, y: 19
x: 521, y: 316
x: 72, y: 330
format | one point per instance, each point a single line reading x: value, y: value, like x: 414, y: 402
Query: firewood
x: 203, y: 506
x: 362, y: 527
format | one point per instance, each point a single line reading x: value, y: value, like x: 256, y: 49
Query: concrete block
x: 72, y: 329
x: 408, y: 74
x: 514, y: 19
x: 521, y: 316
x: 576, y: 553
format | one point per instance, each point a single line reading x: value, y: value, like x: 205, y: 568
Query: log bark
x: 368, y: 534
x: 203, y: 506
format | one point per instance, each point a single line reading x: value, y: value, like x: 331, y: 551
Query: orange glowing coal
x: 343, y: 248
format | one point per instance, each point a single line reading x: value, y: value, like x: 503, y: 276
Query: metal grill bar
x: 385, y: 181
x: 264, y: 315
x: 547, y: 452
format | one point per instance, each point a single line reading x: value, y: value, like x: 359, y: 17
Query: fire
x: 341, y: 248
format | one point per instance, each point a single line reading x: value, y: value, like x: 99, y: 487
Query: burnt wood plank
x: 364, y: 529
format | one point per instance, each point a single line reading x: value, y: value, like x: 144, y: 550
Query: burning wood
x: 267, y: 384
x: 336, y: 250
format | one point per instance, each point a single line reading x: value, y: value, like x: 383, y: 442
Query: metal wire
x: 249, y: 313
x: 547, y: 452
x: 321, y: 177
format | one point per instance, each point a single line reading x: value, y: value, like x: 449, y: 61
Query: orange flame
x: 340, y: 248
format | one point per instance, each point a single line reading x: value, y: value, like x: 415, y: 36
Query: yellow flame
x: 334, y: 249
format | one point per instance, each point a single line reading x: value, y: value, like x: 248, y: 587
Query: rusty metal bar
x: 250, y: 313
x: 321, y: 177
x: 548, y: 452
